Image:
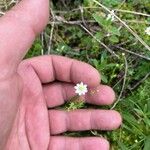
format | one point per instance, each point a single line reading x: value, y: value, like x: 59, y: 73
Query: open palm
x: 28, y: 88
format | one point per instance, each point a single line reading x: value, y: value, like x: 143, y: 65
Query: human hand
x: 28, y: 88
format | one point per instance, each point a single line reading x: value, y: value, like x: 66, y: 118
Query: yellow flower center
x: 81, y: 88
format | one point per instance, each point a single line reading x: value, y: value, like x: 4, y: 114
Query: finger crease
x: 67, y: 119
x: 64, y: 93
x: 79, y: 144
x: 91, y: 123
x: 71, y: 71
x: 54, y: 70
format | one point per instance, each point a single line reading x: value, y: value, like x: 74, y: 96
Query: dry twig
x: 51, y: 33
x: 131, y: 52
x: 101, y: 43
x: 139, y: 82
x: 129, y: 29
x: 60, y: 19
x: 123, y: 85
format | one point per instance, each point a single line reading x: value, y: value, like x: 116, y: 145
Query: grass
x: 119, y: 49
x: 135, y: 109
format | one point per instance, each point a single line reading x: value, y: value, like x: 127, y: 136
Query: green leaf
x: 104, y: 78
x: 111, y: 3
x: 139, y: 112
x: 148, y: 106
x: 99, y: 35
x: 133, y: 123
x: 147, y: 143
x: 113, y: 30
x: 88, y: 3
x: 122, y: 146
x: 95, y: 62
x: 101, y: 21
x: 114, y: 39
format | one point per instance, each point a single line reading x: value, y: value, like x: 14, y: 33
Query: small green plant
x: 73, y: 105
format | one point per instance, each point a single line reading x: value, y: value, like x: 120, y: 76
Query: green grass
x: 135, y: 131
x: 122, y: 72
x: 79, y: 32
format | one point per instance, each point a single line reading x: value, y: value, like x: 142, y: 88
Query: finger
x: 18, y: 28
x: 80, y: 120
x: 50, y: 68
x: 57, y: 93
x: 69, y: 143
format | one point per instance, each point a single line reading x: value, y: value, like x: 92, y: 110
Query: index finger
x: 51, y: 68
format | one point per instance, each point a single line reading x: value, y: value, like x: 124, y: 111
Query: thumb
x: 18, y: 29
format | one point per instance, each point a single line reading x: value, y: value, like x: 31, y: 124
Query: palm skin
x: 31, y: 127
x: 34, y: 123
x: 28, y: 88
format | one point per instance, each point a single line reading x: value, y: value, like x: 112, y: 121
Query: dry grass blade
x: 101, y: 43
x: 139, y: 82
x: 123, y: 85
x: 62, y: 20
x: 132, y: 12
x: 51, y: 33
x: 133, y: 53
x: 129, y: 29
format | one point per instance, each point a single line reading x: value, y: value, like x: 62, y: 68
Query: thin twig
x: 82, y: 16
x: 58, y: 18
x: 13, y: 2
x: 50, y: 39
x: 128, y: 51
x: 74, y: 22
x: 2, y: 13
x: 123, y: 85
x: 132, y: 12
x: 137, y: 22
x: 122, y: 3
x: 51, y: 33
x: 118, y: 82
x: 138, y: 83
x: 42, y: 40
x: 129, y: 29
x: 116, y: 10
x: 93, y: 21
x: 123, y: 43
x: 107, y: 48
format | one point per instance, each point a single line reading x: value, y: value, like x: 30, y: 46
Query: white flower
x: 147, y: 30
x: 81, y: 89
x: 111, y: 16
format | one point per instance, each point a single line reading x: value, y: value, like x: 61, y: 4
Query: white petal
x: 83, y: 93
x: 108, y: 17
x: 81, y: 84
x: 80, y: 93
x: 113, y: 11
x: 76, y: 87
x: 85, y: 85
x: 147, y: 30
x: 86, y: 91
x: 77, y: 90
